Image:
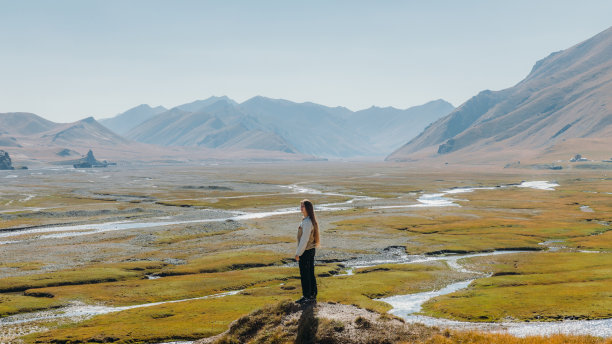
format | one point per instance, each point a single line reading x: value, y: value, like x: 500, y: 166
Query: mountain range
x: 123, y: 122
x: 280, y: 125
x: 220, y: 128
x: 30, y: 139
x: 563, y: 107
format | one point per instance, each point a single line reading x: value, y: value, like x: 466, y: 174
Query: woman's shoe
x: 301, y: 300
x: 311, y: 300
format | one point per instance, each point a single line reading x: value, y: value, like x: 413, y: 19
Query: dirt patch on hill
x: 320, y: 323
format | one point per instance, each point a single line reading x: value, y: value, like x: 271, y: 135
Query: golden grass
x: 57, y: 200
x: 132, y: 292
x: 474, y: 337
x: 449, y: 233
x: 19, y: 222
x: 385, y: 280
x: 187, y: 320
x: 90, y: 274
x: 385, y: 223
x: 490, y: 219
x: 226, y: 245
x: 14, y: 304
x: 23, y: 266
x: 601, y: 242
x: 232, y: 260
x: 544, y: 286
x: 174, y: 194
x: 254, y: 202
x: 201, y: 318
x: 503, y: 218
x: 171, y: 237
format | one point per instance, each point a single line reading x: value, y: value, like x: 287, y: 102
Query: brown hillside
x: 567, y: 96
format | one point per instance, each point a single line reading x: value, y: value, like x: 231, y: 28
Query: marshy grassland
x: 149, y: 245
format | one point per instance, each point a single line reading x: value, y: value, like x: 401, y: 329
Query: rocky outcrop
x: 5, y: 161
x: 330, y: 323
x: 90, y: 161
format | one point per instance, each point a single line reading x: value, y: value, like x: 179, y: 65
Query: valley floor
x: 177, y: 253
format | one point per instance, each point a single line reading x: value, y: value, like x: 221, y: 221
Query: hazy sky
x: 65, y: 60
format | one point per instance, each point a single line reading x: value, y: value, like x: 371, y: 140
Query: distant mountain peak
x: 145, y: 107
x: 262, y: 99
x: 24, y: 123
x: 200, y: 104
x: 257, y: 98
x: 124, y: 122
x: 439, y: 101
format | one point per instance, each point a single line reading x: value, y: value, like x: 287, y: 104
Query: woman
x: 308, y: 239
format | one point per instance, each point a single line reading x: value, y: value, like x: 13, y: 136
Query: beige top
x: 305, y: 236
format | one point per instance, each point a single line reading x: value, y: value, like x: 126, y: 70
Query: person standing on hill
x: 308, y: 239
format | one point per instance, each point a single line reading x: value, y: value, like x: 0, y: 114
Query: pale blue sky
x: 65, y: 60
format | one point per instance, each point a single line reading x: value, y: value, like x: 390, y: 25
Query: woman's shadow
x: 307, y: 326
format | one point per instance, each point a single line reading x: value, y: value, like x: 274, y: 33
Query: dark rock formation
x: 5, y: 161
x: 90, y: 161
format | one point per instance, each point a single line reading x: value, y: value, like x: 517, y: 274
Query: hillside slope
x: 217, y: 125
x: 567, y: 96
x: 311, y: 128
x: 289, y: 127
x: 31, y: 139
x: 81, y: 133
x: 387, y: 129
x: 126, y: 121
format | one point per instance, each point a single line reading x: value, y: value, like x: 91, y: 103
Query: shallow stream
x: 405, y: 306
x: 408, y: 306
x: 425, y: 200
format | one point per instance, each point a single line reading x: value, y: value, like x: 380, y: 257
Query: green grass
x: 91, y: 274
x: 23, y: 266
x: 172, y: 237
x: 542, y: 286
x: 14, y: 304
x: 599, y: 242
x: 526, y: 286
x: 385, y: 280
x: 255, y: 202
x: 188, y: 320
x: 500, y: 219
x: 475, y: 337
x: 132, y: 292
x: 449, y: 233
x: 225, y: 261
x: 201, y: 318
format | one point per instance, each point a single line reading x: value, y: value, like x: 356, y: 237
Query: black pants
x: 307, y: 275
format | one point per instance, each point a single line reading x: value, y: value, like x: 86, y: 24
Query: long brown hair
x: 315, y: 225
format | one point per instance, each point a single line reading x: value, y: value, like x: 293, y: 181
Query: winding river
x: 424, y: 200
x: 405, y: 306
x: 408, y: 306
x: 79, y: 310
